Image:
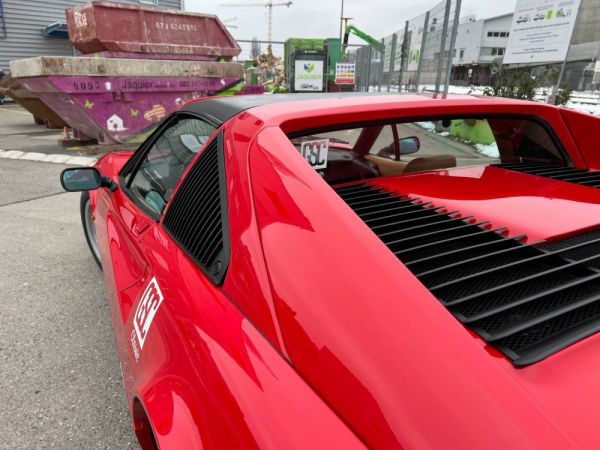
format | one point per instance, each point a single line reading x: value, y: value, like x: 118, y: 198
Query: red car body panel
x: 319, y: 336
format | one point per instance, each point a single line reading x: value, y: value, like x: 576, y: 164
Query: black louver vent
x: 196, y: 215
x: 584, y: 177
x: 526, y: 301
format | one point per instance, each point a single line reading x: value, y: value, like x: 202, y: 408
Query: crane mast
x: 269, y: 5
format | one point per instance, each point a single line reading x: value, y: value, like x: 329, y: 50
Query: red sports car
x: 351, y: 271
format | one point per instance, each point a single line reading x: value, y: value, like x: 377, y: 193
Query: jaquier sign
x: 308, y: 76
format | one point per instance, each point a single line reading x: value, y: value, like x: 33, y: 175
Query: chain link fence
x: 415, y: 57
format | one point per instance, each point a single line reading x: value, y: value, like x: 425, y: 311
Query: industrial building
x: 478, y: 44
x: 38, y: 27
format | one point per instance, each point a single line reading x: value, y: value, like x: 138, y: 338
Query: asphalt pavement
x: 60, y: 382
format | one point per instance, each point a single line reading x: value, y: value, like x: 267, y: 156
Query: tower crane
x: 267, y: 4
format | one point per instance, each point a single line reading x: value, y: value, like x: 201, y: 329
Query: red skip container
x: 113, y: 27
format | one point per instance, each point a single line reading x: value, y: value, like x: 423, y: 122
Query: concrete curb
x: 52, y: 158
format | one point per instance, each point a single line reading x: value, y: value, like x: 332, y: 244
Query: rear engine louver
x: 526, y: 301
x: 195, y: 217
x: 584, y: 177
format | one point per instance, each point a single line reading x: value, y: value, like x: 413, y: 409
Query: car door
x: 147, y: 183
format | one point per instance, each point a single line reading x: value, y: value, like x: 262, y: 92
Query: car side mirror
x: 409, y: 145
x: 79, y: 179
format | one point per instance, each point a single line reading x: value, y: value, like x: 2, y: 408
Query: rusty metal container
x: 42, y: 113
x: 112, y: 27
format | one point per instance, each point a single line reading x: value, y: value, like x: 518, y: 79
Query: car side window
x: 384, y: 144
x: 164, y: 164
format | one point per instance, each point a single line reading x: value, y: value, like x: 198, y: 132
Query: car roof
x: 220, y: 109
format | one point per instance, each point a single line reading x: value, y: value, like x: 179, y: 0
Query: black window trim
x: 133, y: 164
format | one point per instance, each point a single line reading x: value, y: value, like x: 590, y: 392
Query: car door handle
x: 140, y: 227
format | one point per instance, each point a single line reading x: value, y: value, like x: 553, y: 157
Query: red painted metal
x: 320, y: 337
x: 584, y: 127
x: 115, y: 27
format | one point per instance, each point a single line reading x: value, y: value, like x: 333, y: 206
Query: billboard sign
x: 398, y: 52
x: 345, y: 73
x: 541, y: 31
x: 308, y: 76
x: 387, y: 52
x: 415, y: 33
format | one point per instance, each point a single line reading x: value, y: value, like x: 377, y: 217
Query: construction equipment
x: 268, y: 5
x: 361, y: 34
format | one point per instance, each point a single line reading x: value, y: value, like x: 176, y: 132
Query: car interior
x: 391, y: 149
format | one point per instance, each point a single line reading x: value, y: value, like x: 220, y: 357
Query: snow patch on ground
x: 489, y: 150
x: 429, y: 126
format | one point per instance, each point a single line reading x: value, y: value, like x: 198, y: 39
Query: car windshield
x: 373, y: 150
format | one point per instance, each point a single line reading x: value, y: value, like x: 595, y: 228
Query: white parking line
x: 52, y: 158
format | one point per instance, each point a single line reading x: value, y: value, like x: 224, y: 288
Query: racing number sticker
x: 147, y: 308
x: 315, y: 152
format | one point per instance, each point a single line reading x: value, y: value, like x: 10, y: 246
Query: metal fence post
x: 556, y: 87
x: 392, y: 56
x: 381, y: 57
x: 368, y: 71
x: 452, y: 44
x: 440, y: 62
x: 403, y: 57
x: 424, y: 39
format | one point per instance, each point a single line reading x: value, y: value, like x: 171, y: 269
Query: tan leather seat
x: 387, y: 166
x: 430, y: 163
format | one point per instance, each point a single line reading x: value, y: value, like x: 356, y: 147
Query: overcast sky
x: 320, y: 18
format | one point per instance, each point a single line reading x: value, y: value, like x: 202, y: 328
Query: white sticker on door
x: 146, y: 310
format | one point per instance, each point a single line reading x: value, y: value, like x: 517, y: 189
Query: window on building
x: 148, y: 2
x: 490, y: 34
x: 494, y: 52
x: 496, y: 34
x: 503, y: 34
x: 461, y: 54
x: 497, y: 52
x: 500, y: 52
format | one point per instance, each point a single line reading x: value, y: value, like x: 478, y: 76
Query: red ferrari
x: 355, y: 271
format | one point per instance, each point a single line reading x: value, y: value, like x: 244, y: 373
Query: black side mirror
x: 409, y: 145
x: 79, y: 179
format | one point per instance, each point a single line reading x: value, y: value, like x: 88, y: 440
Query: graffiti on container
x: 155, y: 114
x: 108, y: 85
x: 176, y: 26
x: 134, y: 112
x: 88, y: 104
x: 115, y: 123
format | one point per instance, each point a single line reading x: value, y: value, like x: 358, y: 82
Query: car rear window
x: 371, y: 150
